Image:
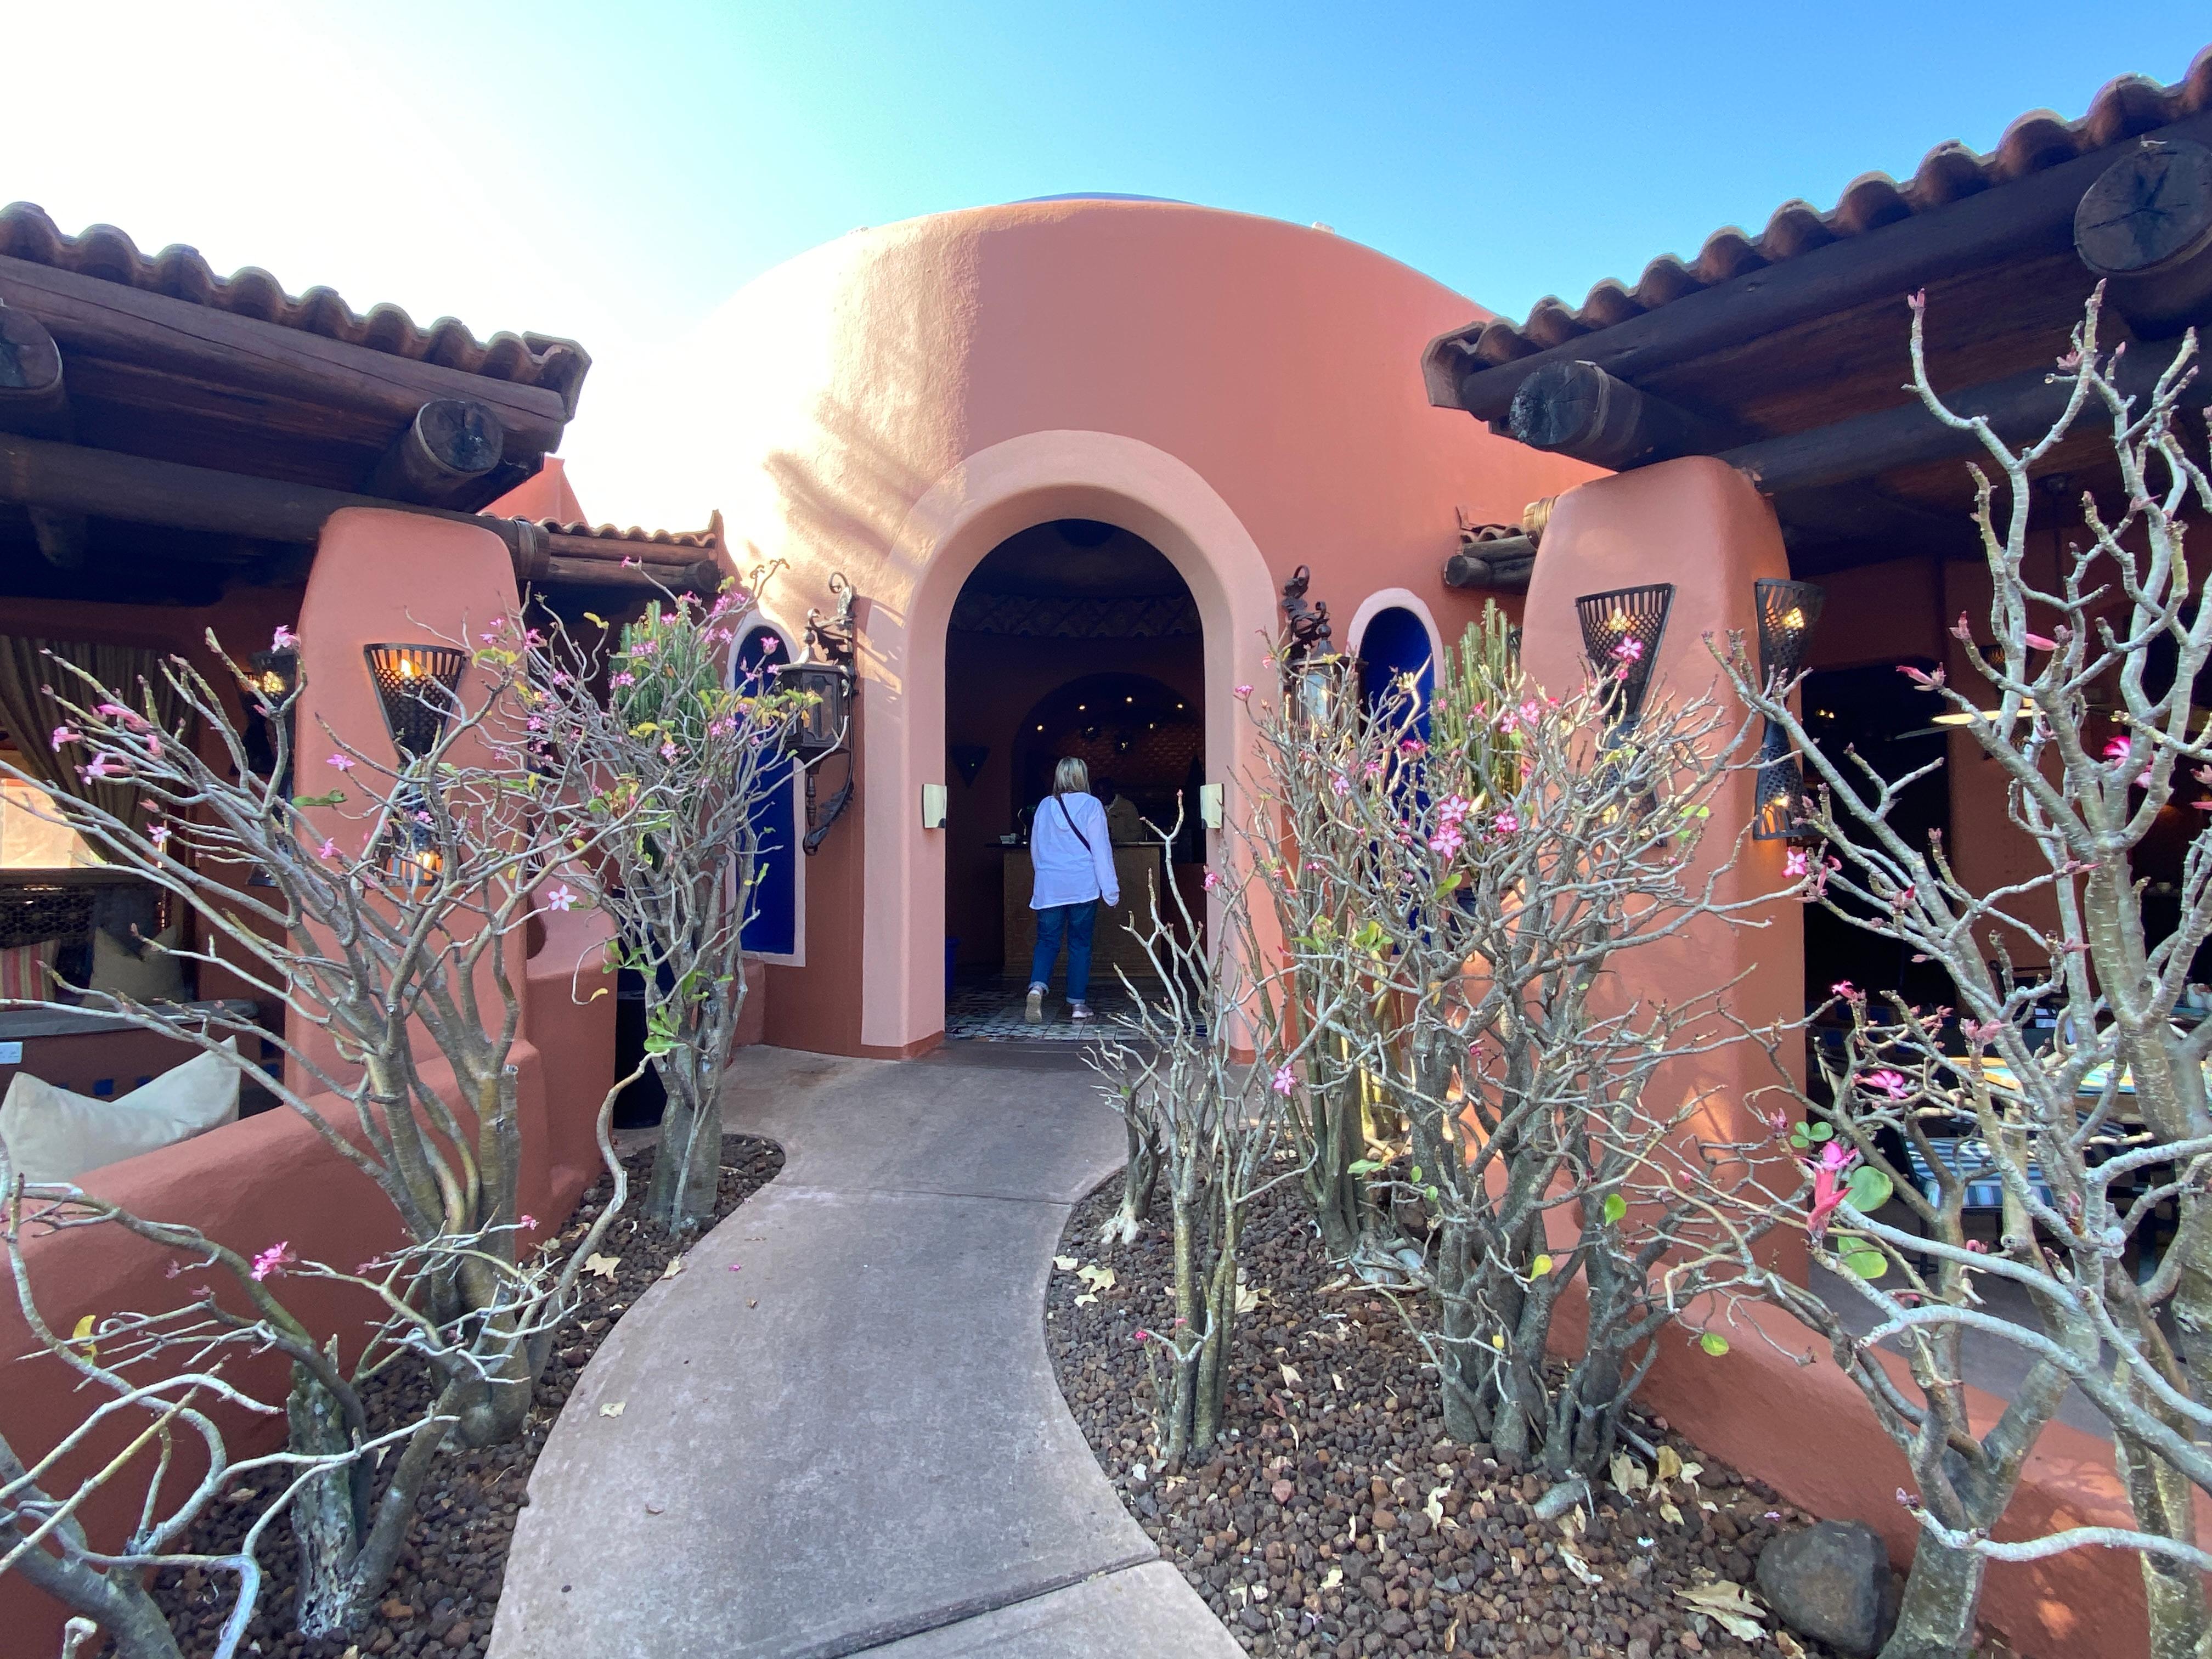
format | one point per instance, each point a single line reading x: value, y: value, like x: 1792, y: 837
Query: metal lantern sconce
x: 1310, y: 664
x: 824, y: 727
x: 415, y: 713
x: 1787, y: 613
x: 1621, y: 634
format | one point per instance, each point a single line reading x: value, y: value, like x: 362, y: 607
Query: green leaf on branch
x: 1540, y: 1267
x: 1713, y: 1343
x: 335, y: 797
x: 1867, y: 1264
x: 1616, y: 1207
x: 1363, y: 1166
x: 1868, y: 1189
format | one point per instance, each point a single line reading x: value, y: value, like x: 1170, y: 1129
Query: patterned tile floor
x: 989, y: 1010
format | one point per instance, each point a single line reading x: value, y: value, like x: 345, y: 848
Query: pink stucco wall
x: 378, y: 576
x: 1244, y: 394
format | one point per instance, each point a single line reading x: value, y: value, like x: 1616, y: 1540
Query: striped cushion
x: 23, y: 976
x: 1968, y: 1158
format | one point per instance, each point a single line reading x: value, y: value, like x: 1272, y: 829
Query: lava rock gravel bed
x: 1338, y: 1520
x: 440, y: 1601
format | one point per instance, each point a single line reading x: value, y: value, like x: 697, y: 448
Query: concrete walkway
x: 839, y: 1430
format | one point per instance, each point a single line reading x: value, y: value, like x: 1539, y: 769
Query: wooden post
x: 2146, y: 227
x: 1577, y: 409
x: 441, y: 455
x: 1499, y: 566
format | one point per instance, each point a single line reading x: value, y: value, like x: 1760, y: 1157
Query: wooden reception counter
x: 1141, y: 870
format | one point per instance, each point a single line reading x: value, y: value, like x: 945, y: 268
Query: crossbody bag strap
x: 1070, y: 822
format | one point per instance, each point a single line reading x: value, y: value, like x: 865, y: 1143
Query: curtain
x: 27, y: 709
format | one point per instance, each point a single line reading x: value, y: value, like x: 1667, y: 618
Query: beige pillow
x: 156, y: 976
x: 54, y: 1135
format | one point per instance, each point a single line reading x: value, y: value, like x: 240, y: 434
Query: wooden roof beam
x: 67, y: 478
x: 441, y: 458
x: 2022, y: 219
x: 34, y: 400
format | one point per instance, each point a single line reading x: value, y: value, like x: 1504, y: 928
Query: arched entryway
x: 1073, y: 637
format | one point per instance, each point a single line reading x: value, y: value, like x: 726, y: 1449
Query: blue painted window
x: 774, y: 929
x: 1396, y: 643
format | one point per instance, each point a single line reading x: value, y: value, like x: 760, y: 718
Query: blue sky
x: 613, y: 173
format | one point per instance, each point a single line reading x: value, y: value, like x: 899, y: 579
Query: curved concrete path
x: 853, y: 1442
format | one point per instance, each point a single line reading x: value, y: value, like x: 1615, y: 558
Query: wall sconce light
x: 1621, y: 634
x: 415, y: 684
x: 825, y: 724
x: 1210, y: 806
x: 1787, y: 613
x: 933, y: 805
x: 968, y: 758
x: 1311, y: 667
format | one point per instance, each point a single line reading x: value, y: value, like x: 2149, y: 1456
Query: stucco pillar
x: 1701, y: 525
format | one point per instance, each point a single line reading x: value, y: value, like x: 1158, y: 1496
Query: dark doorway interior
x: 1886, y: 719
x: 1073, y: 637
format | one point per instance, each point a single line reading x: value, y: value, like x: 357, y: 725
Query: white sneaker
x: 1033, y: 1009
x: 1080, y: 1011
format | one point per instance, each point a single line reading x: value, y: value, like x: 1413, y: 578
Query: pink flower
x: 343, y: 761
x: 1629, y: 651
x: 489, y: 635
x: 1412, y: 748
x: 1830, y: 1187
x: 61, y: 735
x: 1506, y: 823
x: 284, y: 638
x: 2040, y: 643
x: 1454, y: 808
x: 1371, y: 771
x: 2117, y: 750
x: 116, y: 711
x: 527, y: 1222
x: 1244, y: 693
x: 1212, y: 879
x: 1793, y: 863
x: 158, y: 835
x: 535, y: 723
x: 623, y: 678
x: 273, y: 1261
x: 668, y: 750
x: 630, y: 563
x: 669, y: 619
x: 101, y: 767
x: 1283, y: 1082
x: 329, y: 849
x: 1339, y: 786
x: 1447, y: 840
x: 1891, y: 1083
x: 422, y: 816
x: 645, y: 648
x: 561, y: 898
x: 1843, y: 988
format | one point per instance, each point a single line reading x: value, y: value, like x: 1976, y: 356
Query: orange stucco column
x: 1701, y: 525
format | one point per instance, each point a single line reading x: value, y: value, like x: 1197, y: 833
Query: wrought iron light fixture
x: 415, y: 685
x: 1786, y: 613
x: 825, y: 723
x: 1311, y: 667
x: 1621, y: 634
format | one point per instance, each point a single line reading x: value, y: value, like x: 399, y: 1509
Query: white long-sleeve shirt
x: 1065, y: 872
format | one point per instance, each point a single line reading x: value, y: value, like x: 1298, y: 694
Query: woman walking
x: 1074, y: 865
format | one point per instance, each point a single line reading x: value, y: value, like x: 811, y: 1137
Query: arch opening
x: 1071, y: 637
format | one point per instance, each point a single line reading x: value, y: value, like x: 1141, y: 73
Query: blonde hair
x: 1071, y: 776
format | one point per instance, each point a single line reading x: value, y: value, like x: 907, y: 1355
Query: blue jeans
x: 1077, y: 919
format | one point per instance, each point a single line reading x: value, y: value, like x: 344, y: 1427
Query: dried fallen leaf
x: 603, y: 1266
x: 1791, y: 1648
x: 1098, y: 1279
x: 1628, y: 1475
x: 1290, y: 1372
x: 1339, y: 1381
x: 1248, y: 1301
x: 656, y: 1508
x: 613, y: 1409
x: 1668, y: 1513
x: 1580, y: 1568
x: 1670, y: 1464
x: 241, y: 1495
x: 1729, y: 1605
x: 1085, y: 1299
x: 1283, y: 1490
x: 1065, y: 1263
x: 1435, y: 1506
x: 675, y: 1267
x: 1332, y: 1578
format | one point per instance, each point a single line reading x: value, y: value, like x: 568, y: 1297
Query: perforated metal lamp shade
x: 1786, y: 613
x: 1625, y: 628
x: 822, y: 727
x: 416, y: 683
